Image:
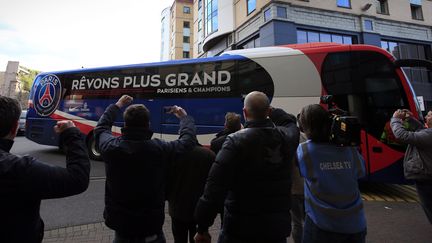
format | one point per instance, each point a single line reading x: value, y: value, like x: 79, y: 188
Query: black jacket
x: 217, y: 142
x: 251, y: 176
x: 136, y: 170
x: 186, y: 181
x: 24, y: 181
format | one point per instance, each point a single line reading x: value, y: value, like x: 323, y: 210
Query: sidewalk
x: 388, y: 221
x: 100, y: 233
x: 96, y: 232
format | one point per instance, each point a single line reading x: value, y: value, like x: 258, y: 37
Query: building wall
x: 178, y: 17
x: 165, y: 34
x: 197, y: 19
x: 399, y: 10
x: 2, y: 82
x: 11, y: 82
x: 318, y: 13
x: 301, y: 13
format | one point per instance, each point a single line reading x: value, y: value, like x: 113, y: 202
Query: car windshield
x: 23, y: 114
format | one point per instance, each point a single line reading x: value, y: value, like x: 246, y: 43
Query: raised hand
x: 63, y: 125
x: 125, y: 100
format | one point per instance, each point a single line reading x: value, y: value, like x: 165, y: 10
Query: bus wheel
x: 92, y: 150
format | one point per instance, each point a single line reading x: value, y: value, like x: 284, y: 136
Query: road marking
x: 389, y: 193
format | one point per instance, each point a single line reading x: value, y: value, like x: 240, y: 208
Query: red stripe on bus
x: 382, y: 159
x: 84, y: 128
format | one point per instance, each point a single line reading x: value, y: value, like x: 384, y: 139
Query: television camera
x: 344, y: 129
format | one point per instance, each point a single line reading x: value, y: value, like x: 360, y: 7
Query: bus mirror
x: 413, y: 63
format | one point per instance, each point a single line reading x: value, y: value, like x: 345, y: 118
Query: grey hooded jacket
x: 418, y: 156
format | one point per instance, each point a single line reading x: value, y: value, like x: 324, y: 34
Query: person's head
x: 256, y: 106
x: 137, y: 116
x: 10, y: 111
x: 232, y: 121
x: 428, y: 119
x: 315, y: 122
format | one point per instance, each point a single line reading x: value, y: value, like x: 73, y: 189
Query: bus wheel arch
x: 93, y: 152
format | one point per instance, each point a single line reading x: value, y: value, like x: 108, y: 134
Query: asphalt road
x: 388, y: 221
x: 80, y: 209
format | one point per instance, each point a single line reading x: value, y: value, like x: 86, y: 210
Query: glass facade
x: 211, y: 16
x: 255, y: 42
x: 411, y: 51
x: 200, y: 23
x: 306, y: 36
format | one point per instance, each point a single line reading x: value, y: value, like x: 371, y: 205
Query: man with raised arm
x: 25, y: 181
x: 136, y: 170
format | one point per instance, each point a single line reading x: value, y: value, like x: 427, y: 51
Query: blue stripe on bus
x: 209, y: 113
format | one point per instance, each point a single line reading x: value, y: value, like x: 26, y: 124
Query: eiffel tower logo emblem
x: 47, y: 95
x: 46, y: 99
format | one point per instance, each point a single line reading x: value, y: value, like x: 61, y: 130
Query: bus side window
x: 253, y: 77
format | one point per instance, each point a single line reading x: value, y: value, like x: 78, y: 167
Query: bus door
x: 366, y: 85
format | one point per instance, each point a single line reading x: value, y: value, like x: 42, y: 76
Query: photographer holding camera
x: 418, y: 156
x: 334, y: 209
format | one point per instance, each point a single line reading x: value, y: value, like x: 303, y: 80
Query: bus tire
x: 93, y: 152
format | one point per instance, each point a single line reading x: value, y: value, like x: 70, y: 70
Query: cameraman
x: 334, y: 209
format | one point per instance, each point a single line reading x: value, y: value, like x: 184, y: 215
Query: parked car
x: 22, y: 122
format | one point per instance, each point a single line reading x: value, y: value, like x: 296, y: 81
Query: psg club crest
x: 47, y: 95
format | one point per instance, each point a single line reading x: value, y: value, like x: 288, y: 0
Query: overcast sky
x: 51, y: 35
